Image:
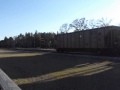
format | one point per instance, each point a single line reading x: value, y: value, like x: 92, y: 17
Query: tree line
x: 30, y: 40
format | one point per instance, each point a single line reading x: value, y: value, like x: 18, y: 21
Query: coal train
x: 98, y: 40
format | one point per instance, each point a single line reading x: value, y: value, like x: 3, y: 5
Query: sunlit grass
x: 18, y: 54
x: 78, y: 70
x: 9, y: 53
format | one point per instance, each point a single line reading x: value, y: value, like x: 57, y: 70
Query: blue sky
x: 20, y: 16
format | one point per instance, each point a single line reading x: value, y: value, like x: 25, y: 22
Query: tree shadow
x: 31, y: 66
x: 34, y: 66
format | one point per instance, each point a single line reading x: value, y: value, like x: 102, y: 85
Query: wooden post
x: 6, y: 83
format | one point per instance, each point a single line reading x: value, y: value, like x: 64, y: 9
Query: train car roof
x: 107, y: 27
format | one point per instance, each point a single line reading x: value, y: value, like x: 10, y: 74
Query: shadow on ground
x: 60, y: 72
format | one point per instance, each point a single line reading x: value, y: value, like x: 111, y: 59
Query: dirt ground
x: 50, y: 71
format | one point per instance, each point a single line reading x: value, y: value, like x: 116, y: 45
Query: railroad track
x: 94, y: 56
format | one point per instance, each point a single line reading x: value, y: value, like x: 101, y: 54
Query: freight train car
x: 98, y: 40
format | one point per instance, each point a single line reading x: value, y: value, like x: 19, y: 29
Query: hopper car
x: 98, y: 40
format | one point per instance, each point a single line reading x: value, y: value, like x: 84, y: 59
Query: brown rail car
x: 105, y: 39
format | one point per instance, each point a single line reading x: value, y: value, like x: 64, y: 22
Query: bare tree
x: 92, y: 24
x: 64, y: 28
x: 103, y: 22
x: 79, y: 24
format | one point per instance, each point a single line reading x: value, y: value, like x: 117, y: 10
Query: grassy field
x: 46, y: 71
